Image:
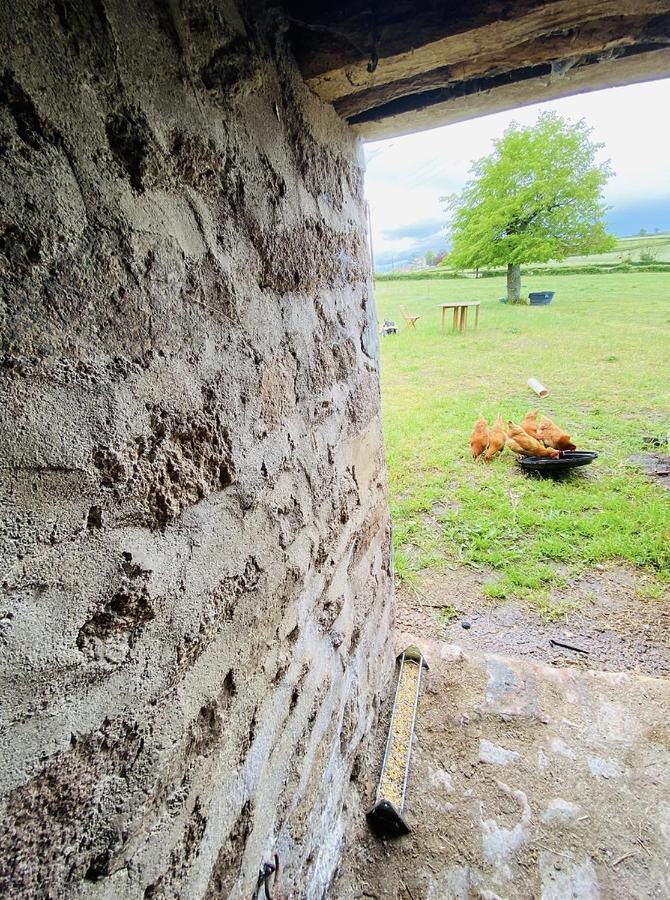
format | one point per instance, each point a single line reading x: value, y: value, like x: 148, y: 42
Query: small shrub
x: 496, y: 590
x: 429, y: 275
x: 447, y: 614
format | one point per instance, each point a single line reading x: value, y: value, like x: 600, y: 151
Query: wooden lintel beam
x: 411, y: 39
x: 393, y: 121
x: 561, y: 51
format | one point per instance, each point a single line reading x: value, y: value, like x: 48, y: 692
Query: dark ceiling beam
x: 411, y: 102
x: 560, y: 51
x: 328, y: 36
x: 397, y: 59
x: 388, y: 121
x: 410, y: 42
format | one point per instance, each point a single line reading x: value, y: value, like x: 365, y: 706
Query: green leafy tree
x: 430, y: 258
x: 536, y: 197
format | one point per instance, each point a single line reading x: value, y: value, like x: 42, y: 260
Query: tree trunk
x: 513, y: 283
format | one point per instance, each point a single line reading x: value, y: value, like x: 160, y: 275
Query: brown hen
x: 515, y: 448
x: 529, y: 423
x: 528, y: 444
x: 479, y: 439
x: 497, y: 438
x: 553, y: 436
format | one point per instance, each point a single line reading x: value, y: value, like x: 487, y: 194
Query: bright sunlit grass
x: 602, y: 349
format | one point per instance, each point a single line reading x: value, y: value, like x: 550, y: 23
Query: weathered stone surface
x: 196, y: 595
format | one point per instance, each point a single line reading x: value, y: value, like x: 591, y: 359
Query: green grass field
x: 602, y: 350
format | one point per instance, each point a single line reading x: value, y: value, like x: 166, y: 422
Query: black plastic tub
x: 541, y: 298
x: 569, y: 459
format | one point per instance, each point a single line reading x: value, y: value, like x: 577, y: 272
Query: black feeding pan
x: 569, y: 459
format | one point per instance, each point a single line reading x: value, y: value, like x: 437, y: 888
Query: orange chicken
x: 528, y: 444
x: 514, y: 447
x: 497, y: 440
x: 529, y: 423
x: 553, y: 436
x: 479, y: 439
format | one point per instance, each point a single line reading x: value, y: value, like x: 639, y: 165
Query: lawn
x: 602, y: 349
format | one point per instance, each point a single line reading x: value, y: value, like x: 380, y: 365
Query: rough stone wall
x: 195, y: 594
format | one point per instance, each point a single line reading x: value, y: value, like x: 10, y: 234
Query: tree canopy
x: 536, y: 197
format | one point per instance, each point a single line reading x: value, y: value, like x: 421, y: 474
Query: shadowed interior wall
x: 196, y: 598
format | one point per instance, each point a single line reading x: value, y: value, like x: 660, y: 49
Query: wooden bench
x: 460, y: 308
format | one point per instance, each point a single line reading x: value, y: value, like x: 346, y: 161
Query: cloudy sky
x: 406, y: 176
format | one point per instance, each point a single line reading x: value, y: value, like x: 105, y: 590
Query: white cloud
x: 407, y: 176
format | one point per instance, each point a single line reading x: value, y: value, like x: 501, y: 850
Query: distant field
x: 602, y: 349
x: 638, y: 252
x: 627, y: 249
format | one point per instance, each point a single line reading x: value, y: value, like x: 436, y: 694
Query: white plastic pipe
x: 539, y: 389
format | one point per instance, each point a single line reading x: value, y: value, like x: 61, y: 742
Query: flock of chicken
x: 531, y: 438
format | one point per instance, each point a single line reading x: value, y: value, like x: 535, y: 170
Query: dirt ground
x: 527, y: 781
x: 656, y: 466
x: 612, y: 621
x: 537, y: 771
